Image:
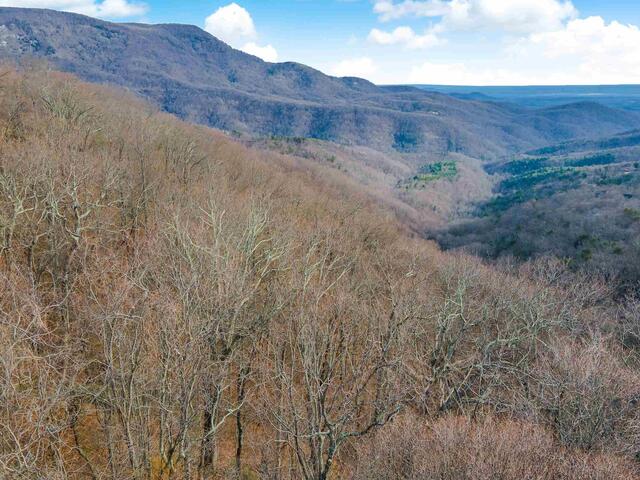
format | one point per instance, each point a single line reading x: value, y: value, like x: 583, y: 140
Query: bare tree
x: 219, y: 275
x: 334, y: 380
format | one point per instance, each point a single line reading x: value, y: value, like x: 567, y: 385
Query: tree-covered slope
x: 176, y: 305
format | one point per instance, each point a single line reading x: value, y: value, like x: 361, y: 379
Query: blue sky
x: 462, y: 42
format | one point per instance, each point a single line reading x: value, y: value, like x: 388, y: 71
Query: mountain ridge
x: 188, y: 72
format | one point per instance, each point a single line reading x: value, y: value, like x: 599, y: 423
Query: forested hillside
x: 176, y: 305
x: 186, y: 71
x: 430, y: 159
x: 578, y: 200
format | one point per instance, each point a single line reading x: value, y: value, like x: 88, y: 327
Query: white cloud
x: 543, y: 42
x: 267, y: 53
x: 120, y: 9
x: 234, y: 25
x: 362, y: 67
x: 520, y: 16
x: 101, y: 9
x: 512, y: 16
x: 597, y: 51
x: 592, y: 36
x: 231, y: 24
x: 584, y: 51
x: 389, y: 10
x: 404, y: 36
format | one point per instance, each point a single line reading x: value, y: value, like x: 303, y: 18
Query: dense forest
x: 175, y: 305
x: 580, y: 201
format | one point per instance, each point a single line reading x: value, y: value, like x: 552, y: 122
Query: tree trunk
x: 242, y: 378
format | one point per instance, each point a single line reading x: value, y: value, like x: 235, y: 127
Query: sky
x: 445, y: 42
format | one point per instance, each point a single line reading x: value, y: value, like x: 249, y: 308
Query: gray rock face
x: 190, y: 73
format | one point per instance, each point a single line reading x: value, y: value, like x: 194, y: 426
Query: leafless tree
x: 334, y: 381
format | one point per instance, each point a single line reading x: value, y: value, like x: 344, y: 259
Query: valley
x: 393, y: 140
x: 578, y: 200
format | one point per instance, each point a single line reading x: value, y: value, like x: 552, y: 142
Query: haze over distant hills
x: 626, y: 97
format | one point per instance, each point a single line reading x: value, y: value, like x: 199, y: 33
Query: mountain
x: 188, y: 72
x: 178, y: 303
x: 434, y: 159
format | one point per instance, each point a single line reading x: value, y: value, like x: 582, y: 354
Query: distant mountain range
x: 622, y: 140
x: 188, y: 72
x: 626, y: 97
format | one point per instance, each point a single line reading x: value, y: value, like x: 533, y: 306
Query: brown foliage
x: 175, y: 305
x: 455, y: 448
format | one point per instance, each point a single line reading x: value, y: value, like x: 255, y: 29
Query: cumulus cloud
x: 362, y: 67
x: 543, y: 42
x: 231, y: 24
x: 406, y: 37
x: 520, y: 16
x: 234, y: 25
x: 599, y: 52
x: 591, y: 36
x: 584, y: 51
x: 267, y: 53
x: 102, y: 9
